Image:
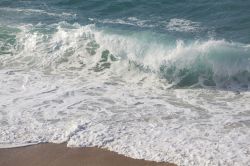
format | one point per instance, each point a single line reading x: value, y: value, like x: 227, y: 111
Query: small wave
x: 132, y: 21
x: 183, y: 25
x: 38, y: 11
x: 179, y: 25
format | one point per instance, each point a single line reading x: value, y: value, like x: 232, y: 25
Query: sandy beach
x: 60, y: 155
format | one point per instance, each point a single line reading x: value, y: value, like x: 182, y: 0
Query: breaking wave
x: 63, y: 46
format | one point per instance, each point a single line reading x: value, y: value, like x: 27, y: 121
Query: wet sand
x: 60, y: 155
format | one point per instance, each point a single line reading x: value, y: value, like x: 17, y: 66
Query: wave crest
x: 212, y: 63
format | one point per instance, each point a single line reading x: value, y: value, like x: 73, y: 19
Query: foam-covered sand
x: 60, y: 155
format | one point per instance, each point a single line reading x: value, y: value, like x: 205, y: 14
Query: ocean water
x: 156, y: 80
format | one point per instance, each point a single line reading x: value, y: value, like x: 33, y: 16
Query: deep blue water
x: 227, y: 19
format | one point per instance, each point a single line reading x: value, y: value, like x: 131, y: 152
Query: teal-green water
x: 162, y: 80
x: 223, y: 27
x: 225, y: 19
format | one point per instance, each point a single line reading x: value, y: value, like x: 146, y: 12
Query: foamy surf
x: 88, y: 87
x: 162, y: 88
x: 212, y: 63
x: 36, y: 11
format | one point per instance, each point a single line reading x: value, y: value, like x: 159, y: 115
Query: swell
x: 73, y: 47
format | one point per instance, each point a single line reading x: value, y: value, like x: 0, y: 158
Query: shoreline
x: 49, y: 154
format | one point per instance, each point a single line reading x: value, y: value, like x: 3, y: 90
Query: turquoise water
x: 163, y: 80
x: 219, y: 19
x: 160, y: 23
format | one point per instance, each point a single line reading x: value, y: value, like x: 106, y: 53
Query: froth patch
x: 37, y: 11
x: 182, y: 25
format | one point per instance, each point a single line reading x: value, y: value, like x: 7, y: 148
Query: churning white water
x: 90, y: 87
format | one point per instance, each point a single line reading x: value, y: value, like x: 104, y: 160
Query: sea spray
x: 156, y: 80
x: 212, y: 63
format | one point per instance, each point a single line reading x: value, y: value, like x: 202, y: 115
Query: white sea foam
x: 174, y: 24
x: 132, y: 21
x: 37, y: 11
x: 183, y: 25
x: 50, y: 92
